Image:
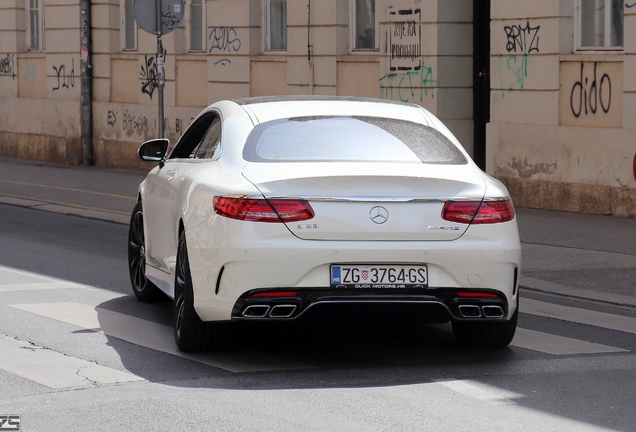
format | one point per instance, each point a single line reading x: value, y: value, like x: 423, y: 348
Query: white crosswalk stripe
x: 56, y: 370
x: 558, y: 345
x: 580, y: 316
x: 53, y: 369
x: 36, y: 286
x: 155, y: 336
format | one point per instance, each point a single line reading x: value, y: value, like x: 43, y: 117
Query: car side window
x: 192, y: 137
x: 209, y: 146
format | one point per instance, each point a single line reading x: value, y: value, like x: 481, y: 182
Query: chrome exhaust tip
x: 493, y: 311
x: 256, y: 311
x: 469, y: 311
x: 282, y: 311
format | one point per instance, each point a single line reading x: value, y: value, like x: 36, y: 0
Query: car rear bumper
x: 228, y: 265
x: 435, y: 305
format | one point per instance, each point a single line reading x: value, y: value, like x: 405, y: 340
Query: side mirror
x: 154, y: 150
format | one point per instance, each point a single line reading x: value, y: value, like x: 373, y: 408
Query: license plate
x: 379, y: 276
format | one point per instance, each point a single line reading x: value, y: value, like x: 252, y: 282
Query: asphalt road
x: 78, y: 352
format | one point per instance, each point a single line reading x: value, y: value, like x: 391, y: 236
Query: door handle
x: 171, y: 173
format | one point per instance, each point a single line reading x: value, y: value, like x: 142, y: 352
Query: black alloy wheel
x: 144, y: 290
x: 190, y: 333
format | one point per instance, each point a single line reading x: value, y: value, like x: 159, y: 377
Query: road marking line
x: 155, y: 336
x: 36, y: 286
x: 558, y: 345
x: 551, y: 344
x: 579, y: 316
x: 132, y: 198
x: 43, y: 201
x: 468, y: 389
x: 46, y: 279
x: 53, y: 369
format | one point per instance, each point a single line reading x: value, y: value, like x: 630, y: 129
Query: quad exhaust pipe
x: 262, y: 311
x: 474, y: 311
x: 256, y: 311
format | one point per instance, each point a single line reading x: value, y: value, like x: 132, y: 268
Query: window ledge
x: 31, y: 54
x: 194, y: 56
x: 599, y: 56
x: 128, y: 55
x: 269, y: 58
x: 362, y: 57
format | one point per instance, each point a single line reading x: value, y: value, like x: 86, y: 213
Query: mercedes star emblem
x: 379, y: 214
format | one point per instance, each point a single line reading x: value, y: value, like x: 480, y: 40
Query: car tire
x: 190, y: 333
x: 489, y: 334
x: 144, y: 290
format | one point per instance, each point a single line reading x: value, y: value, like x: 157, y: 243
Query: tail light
x: 478, y: 212
x: 262, y: 210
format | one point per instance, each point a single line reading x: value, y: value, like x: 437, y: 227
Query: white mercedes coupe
x: 269, y: 208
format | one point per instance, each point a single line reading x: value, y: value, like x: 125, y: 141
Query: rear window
x: 349, y: 139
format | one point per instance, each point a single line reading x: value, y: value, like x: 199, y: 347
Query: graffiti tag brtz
x: 522, y: 39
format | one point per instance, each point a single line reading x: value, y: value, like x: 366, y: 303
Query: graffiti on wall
x: 408, y: 78
x: 138, y: 124
x: 149, y: 75
x: 30, y: 72
x: 405, y: 40
x: 590, y: 93
x: 169, y: 18
x: 224, y: 39
x: 413, y: 86
x: 7, y: 65
x: 521, y: 41
x: 65, y: 79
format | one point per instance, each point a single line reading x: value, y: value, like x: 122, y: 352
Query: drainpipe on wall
x: 309, y: 49
x: 86, y: 101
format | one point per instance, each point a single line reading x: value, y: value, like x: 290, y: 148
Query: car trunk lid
x: 370, y: 201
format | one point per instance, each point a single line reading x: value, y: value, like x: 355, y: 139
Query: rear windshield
x: 349, y: 139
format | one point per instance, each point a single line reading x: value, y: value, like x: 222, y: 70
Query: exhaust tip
x: 256, y: 311
x: 282, y: 311
x: 469, y: 311
x: 493, y: 311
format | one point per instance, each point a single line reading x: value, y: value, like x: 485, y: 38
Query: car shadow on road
x: 327, y: 348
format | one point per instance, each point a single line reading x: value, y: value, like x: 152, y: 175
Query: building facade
x: 540, y: 93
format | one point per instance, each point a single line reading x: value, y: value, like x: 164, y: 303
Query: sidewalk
x: 586, y: 256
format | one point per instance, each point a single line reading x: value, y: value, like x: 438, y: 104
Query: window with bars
x: 599, y: 24
x: 363, y: 25
x: 129, y: 26
x: 275, y: 25
x: 35, y: 20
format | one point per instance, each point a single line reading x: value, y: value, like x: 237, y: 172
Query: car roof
x: 267, y: 108
x: 289, y: 98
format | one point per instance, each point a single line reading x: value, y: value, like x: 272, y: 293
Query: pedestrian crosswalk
x: 56, y: 370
